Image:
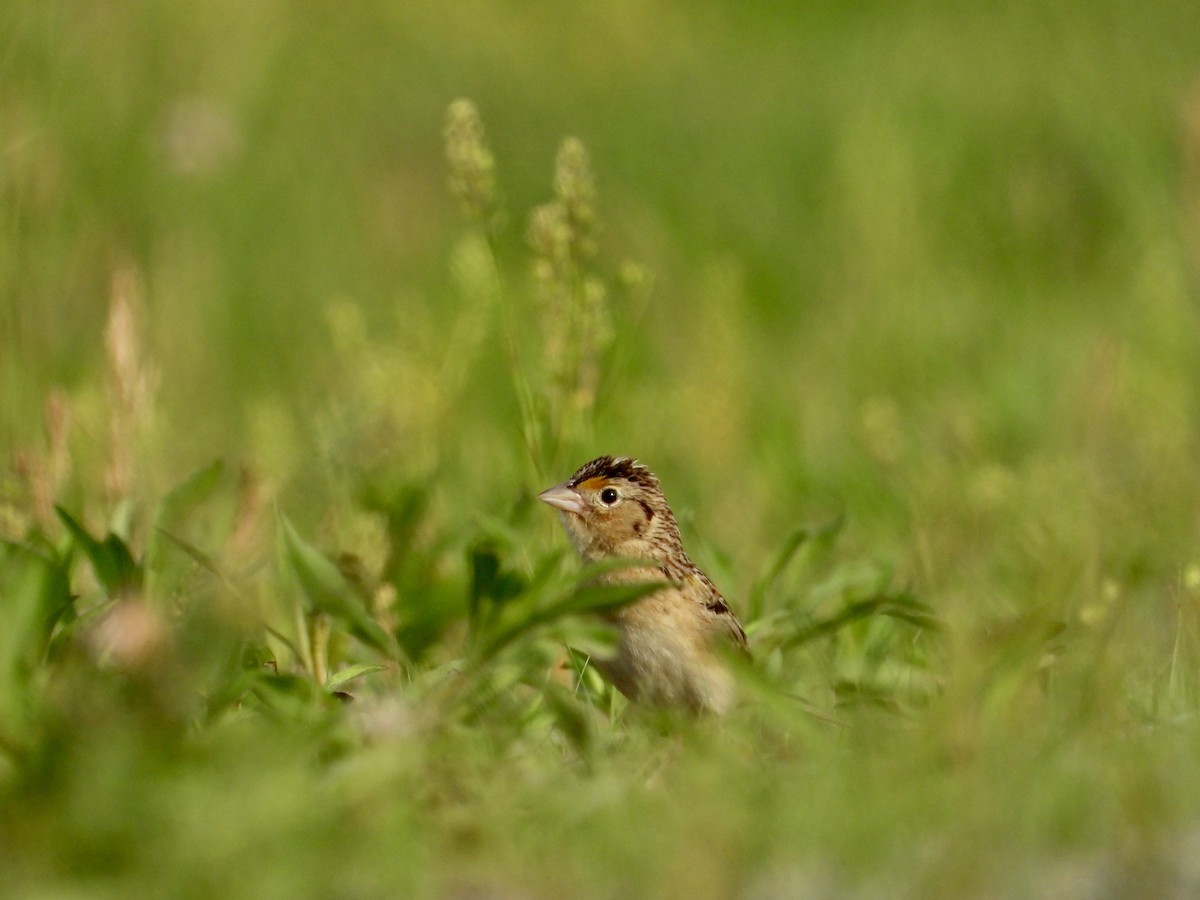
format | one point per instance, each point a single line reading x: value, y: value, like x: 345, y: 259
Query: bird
x: 669, y: 651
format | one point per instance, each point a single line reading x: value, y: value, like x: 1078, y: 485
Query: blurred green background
x: 930, y: 267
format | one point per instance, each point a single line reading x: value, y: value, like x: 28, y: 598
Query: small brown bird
x: 667, y: 656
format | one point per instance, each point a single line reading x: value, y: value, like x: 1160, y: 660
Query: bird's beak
x: 564, y: 497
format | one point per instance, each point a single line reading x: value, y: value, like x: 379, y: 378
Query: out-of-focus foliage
x: 899, y: 300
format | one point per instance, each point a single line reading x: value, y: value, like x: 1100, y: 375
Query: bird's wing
x: 723, y: 617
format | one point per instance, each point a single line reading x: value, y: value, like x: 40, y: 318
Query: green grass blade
x: 327, y: 591
x: 111, y: 559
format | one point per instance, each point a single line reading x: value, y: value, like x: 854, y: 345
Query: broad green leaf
x: 902, y: 606
x: 573, y: 718
x: 758, y: 593
x: 197, y: 555
x: 600, y: 598
x: 850, y: 613
x: 589, y: 637
x: 169, y: 514
x: 907, y: 608
x: 802, y: 546
x: 328, y: 591
x: 57, y: 602
x: 110, y: 558
x: 596, y: 598
x: 491, y: 584
x: 34, y: 595
x: 337, y: 679
x: 189, y: 493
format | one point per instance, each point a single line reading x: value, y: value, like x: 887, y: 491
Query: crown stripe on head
x: 615, y: 467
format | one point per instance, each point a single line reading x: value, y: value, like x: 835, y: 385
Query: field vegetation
x: 301, y: 305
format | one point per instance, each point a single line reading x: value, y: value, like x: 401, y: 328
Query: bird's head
x: 613, y: 506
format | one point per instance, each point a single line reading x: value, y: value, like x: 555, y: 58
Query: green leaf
x: 491, y: 584
x: 197, y: 555
x: 34, y: 596
x: 189, y: 493
x: 822, y: 627
x: 584, y: 599
x: 589, y: 637
x: 169, y: 515
x: 758, y: 593
x: 337, y: 679
x: 286, y: 697
x: 328, y: 591
x: 111, y: 560
x: 805, y: 542
x: 907, y: 608
x: 57, y: 602
x: 901, y: 606
x: 572, y: 717
x: 601, y: 598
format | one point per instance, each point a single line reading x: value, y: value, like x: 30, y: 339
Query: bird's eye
x: 608, y: 496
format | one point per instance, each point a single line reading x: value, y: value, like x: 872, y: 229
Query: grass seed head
x: 131, y: 380
x: 575, y: 190
x: 472, y: 166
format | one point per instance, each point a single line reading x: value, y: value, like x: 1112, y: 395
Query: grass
x: 898, y: 300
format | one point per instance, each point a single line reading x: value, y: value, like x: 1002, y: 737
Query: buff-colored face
x: 614, y: 512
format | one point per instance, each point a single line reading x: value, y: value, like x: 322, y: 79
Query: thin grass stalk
x: 131, y: 382
x: 472, y: 181
x: 320, y: 627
